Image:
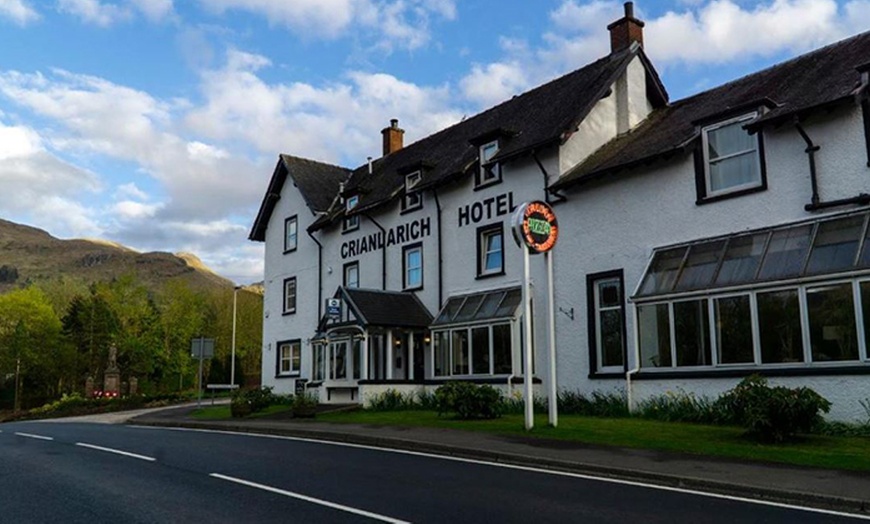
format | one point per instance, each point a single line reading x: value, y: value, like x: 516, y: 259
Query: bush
x: 516, y: 403
x: 252, y: 401
x: 684, y: 407
x: 597, y: 405
x: 304, y: 405
x: 392, y: 400
x: 773, y: 414
x: 469, y: 401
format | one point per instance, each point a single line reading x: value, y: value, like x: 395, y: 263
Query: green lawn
x: 851, y: 453
x: 223, y: 412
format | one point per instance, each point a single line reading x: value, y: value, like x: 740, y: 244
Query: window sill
x: 733, y: 194
x: 288, y: 313
x: 487, y: 184
x: 482, y: 276
x: 289, y: 250
x: 606, y: 375
x: 411, y: 209
x: 853, y: 368
x: 415, y: 288
x: 288, y: 375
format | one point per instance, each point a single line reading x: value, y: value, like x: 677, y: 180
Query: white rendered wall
x: 616, y: 224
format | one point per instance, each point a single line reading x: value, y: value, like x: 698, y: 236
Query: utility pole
x: 17, y: 404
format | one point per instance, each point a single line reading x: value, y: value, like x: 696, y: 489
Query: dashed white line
x: 528, y: 468
x: 116, y: 451
x: 31, y: 435
x: 306, y: 498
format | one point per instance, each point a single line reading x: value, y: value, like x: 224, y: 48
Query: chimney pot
x: 626, y: 30
x: 393, y: 137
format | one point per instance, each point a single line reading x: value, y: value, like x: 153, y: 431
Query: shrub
x: 683, y: 407
x: 304, y: 405
x: 516, y: 403
x: 598, y: 404
x: 469, y: 401
x: 255, y: 400
x: 773, y: 414
x: 392, y: 400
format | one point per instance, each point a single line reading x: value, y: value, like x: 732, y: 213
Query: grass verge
x: 848, y: 453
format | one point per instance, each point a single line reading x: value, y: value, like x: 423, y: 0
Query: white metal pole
x: 553, y: 398
x: 389, y: 365
x: 527, y: 314
x: 233, y: 356
x: 199, y: 397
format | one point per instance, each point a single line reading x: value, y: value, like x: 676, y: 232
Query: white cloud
x: 105, y: 14
x: 130, y: 210
x: 130, y: 190
x: 19, y: 11
x: 394, y: 23
x: 311, y: 120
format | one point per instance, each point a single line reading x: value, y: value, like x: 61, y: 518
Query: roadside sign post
x: 536, y: 230
x: 201, y: 348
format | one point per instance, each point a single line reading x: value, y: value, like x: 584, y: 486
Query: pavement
x: 821, y: 488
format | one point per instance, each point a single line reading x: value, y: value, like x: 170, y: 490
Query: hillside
x: 32, y: 254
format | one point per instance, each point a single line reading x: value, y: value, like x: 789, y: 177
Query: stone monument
x: 89, y: 387
x: 112, y: 375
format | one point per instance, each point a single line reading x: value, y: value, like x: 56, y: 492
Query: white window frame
x: 406, y: 265
x: 709, y: 192
x: 351, y: 223
x: 287, y: 309
x: 484, y: 252
x: 490, y: 172
x: 469, y: 328
x: 294, y: 221
x: 294, y: 353
x: 347, y: 269
x: 413, y: 199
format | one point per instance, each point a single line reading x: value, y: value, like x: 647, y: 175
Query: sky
x: 158, y: 123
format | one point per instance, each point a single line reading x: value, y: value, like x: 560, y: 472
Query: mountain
x: 28, y: 253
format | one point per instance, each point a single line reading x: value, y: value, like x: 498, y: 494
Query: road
x: 89, y: 473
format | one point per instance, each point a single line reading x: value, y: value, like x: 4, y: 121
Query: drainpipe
x: 383, y: 252
x: 811, y: 156
x: 440, y: 260
x: 547, y: 192
x: 319, y: 275
x: 628, y: 395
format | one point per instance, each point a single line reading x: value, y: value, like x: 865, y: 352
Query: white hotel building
x: 702, y: 240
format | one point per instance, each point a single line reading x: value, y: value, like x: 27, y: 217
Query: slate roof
x: 317, y: 182
x: 388, y: 308
x: 532, y: 120
x: 791, y: 89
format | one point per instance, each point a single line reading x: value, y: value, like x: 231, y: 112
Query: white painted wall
x: 616, y: 224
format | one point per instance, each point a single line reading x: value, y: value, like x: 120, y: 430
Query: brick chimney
x: 392, y: 137
x: 626, y: 30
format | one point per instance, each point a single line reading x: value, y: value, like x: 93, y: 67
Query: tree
x: 90, y: 326
x: 30, y: 341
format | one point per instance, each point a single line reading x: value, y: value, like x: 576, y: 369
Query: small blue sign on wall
x: 333, y: 308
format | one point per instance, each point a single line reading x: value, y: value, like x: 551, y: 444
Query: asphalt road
x: 94, y: 473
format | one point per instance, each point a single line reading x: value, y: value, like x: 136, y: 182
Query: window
x: 412, y: 262
x: 484, y: 349
x: 732, y: 159
x: 290, y: 295
x: 290, y: 234
x: 490, y: 251
x: 289, y: 358
x: 606, y: 309
x: 318, y: 362
x: 441, y: 353
x: 654, y: 334
x: 351, y: 223
x: 351, y: 274
x: 413, y: 199
x: 460, y: 351
x: 490, y: 172
x: 734, y: 329
x: 338, y: 360
x: 692, y: 333
x: 831, y: 312
x: 779, y: 327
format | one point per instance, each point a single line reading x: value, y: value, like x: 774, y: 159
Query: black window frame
x: 411, y: 193
x: 490, y: 167
x: 405, y: 250
x: 294, y: 219
x: 701, y: 162
x: 292, y: 373
x: 284, y: 309
x: 485, y: 230
x: 591, y: 318
x: 344, y: 269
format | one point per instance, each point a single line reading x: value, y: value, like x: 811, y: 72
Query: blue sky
x: 157, y: 123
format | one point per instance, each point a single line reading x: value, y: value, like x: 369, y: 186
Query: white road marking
x: 525, y: 468
x: 116, y: 451
x: 313, y: 500
x: 31, y: 435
